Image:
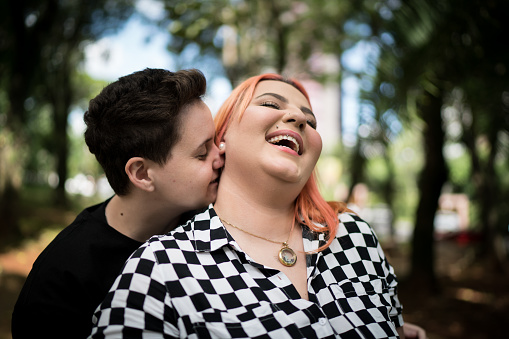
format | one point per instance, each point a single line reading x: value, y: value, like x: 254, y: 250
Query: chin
x: 283, y: 169
x: 291, y: 175
x: 211, y: 199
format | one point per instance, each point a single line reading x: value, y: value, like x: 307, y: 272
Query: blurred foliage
x: 251, y: 37
x: 41, y: 161
x: 441, y: 63
x: 41, y: 46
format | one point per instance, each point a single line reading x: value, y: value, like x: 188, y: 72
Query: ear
x: 224, y: 143
x: 137, y: 170
x: 222, y: 147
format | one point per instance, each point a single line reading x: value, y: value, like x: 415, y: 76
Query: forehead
x: 196, y: 124
x: 291, y: 93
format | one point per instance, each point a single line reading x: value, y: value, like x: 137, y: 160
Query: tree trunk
x: 61, y: 151
x: 388, y: 194
x: 9, y: 199
x: 488, y: 195
x: 485, y: 180
x: 280, y: 37
x: 12, y: 160
x: 61, y: 93
x: 21, y: 57
x: 357, y: 168
x: 433, y: 176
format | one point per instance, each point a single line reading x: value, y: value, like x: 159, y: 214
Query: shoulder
x: 86, y: 222
x: 352, y: 223
x: 86, y: 230
x: 187, y: 236
x: 86, y: 245
x: 354, y: 228
x: 180, y: 238
x: 75, y: 234
x: 202, y: 233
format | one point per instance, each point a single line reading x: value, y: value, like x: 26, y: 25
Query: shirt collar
x: 208, y: 233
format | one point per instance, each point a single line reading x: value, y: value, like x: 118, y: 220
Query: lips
x: 216, y: 180
x: 286, y: 138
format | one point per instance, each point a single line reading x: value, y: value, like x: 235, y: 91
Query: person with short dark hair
x: 154, y: 137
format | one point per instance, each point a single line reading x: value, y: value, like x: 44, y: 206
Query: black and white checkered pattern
x: 196, y: 282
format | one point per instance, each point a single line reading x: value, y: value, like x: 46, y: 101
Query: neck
x: 265, y: 189
x: 256, y: 209
x: 139, y: 218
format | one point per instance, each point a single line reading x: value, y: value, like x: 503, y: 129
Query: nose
x: 297, y: 117
x: 218, y: 160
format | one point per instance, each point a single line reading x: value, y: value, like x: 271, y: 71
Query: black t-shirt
x: 71, y: 277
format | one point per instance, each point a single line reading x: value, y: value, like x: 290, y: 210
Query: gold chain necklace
x: 287, y: 256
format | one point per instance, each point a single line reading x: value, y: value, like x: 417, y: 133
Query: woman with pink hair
x: 271, y: 258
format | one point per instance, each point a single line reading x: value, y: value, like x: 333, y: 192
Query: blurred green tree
x: 246, y: 35
x: 251, y: 37
x: 430, y: 51
x: 40, y: 51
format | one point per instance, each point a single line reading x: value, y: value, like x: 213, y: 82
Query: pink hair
x: 310, y: 207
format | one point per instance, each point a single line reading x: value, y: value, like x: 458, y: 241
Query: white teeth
x: 274, y: 140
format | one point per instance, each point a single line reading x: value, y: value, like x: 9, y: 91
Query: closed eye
x: 271, y: 104
x: 202, y: 156
x: 203, y: 151
x: 311, y: 123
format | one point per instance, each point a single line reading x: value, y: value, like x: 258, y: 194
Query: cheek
x: 254, y: 119
x: 315, y: 141
x: 201, y: 174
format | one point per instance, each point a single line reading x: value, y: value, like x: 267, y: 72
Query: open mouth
x: 286, y: 141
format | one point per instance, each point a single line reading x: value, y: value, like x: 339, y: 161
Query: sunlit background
x: 411, y: 97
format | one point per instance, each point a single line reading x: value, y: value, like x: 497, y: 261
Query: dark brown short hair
x: 139, y: 115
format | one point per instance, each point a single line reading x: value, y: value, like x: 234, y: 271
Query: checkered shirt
x: 196, y: 282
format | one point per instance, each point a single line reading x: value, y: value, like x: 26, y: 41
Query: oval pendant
x: 287, y: 256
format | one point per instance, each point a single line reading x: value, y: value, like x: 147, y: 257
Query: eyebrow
x: 204, y: 143
x: 304, y: 109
